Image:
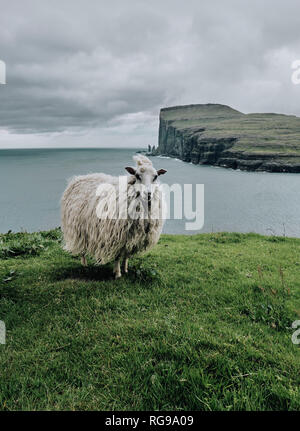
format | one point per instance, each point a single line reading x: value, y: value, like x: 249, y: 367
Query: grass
x: 200, y: 323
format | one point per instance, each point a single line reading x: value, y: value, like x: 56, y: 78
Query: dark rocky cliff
x: 219, y: 135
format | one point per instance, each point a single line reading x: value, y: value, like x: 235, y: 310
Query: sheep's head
x: 145, y: 174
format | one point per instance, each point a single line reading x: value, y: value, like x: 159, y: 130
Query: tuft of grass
x: 199, y: 323
x: 144, y: 272
x: 26, y: 244
x: 269, y: 302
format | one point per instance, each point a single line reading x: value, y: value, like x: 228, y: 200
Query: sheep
x: 90, y: 214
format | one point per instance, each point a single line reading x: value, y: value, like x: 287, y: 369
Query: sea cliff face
x: 219, y: 135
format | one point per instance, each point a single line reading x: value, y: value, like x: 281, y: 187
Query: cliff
x: 219, y: 135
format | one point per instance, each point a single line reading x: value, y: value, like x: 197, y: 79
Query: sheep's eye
x: 155, y: 178
x: 138, y: 177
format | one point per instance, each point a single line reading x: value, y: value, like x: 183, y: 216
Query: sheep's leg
x: 117, y: 269
x: 83, y: 261
x: 126, y: 265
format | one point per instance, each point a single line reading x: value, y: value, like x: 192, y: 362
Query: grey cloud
x: 76, y: 65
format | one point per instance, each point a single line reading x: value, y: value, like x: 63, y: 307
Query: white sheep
x: 91, y: 221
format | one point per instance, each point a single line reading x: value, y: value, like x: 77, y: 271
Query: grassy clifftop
x: 219, y: 135
x: 201, y: 322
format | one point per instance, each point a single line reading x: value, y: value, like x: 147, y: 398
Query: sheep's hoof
x: 83, y: 261
x: 117, y: 276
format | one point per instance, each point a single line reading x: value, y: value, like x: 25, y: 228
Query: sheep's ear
x: 132, y: 180
x: 130, y: 170
x: 161, y: 172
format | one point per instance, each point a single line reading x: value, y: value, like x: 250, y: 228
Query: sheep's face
x: 147, y: 176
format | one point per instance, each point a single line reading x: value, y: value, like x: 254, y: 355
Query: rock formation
x: 216, y: 134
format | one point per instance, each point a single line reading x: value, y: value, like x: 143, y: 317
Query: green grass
x: 200, y: 323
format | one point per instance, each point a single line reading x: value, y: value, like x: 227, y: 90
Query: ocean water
x: 32, y: 182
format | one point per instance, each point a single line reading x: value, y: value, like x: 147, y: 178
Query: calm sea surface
x: 32, y: 181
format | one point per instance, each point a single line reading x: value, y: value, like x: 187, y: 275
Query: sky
x: 96, y: 73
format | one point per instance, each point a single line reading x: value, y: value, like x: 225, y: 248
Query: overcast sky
x: 96, y: 72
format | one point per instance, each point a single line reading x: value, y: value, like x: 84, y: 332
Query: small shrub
x: 54, y: 234
x: 226, y: 237
x: 144, y: 272
x: 276, y: 239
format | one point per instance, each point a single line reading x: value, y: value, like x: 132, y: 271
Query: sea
x: 33, y: 180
